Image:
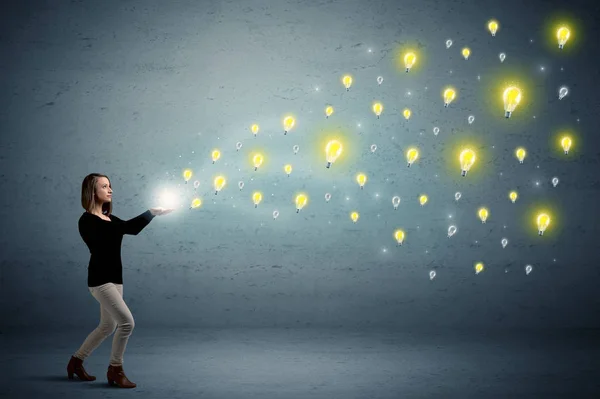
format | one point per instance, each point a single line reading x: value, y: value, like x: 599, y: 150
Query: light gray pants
x: 114, y: 316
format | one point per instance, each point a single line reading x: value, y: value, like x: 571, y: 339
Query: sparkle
x: 537, y: 183
x: 554, y: 260
x: 538, y: 166
x: 384, y: 250
x: 370, y: 50
x: 476, y: 242
x: 449, y: 216
x: 493, y: 146
x: 358, y: 125
x: 478, y: 77
x: 504, y: 226
x: 347, y: 198
x: 316, y: 89
x: 561, y: 68
x: 542, y: 68
x: 377, y: 194
x: 500, y: 173
x: 409, y: 93
x: 426, y: 251
x: 530, y: 40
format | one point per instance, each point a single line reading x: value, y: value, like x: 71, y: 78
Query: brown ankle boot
x: 116, y: 375
x: 75, y: 366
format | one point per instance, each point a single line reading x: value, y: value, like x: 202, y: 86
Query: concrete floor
x: 290, y: 364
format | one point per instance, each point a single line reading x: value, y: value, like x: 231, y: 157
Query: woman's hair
x: 88, y: 191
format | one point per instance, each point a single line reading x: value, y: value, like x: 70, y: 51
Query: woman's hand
x: 160, y: 211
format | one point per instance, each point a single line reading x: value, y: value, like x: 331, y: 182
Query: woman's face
x: 103, y: 190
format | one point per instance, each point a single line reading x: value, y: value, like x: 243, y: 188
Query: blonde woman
x: 103, y: 233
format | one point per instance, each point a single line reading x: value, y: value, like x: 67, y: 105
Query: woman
x: 103, y: 233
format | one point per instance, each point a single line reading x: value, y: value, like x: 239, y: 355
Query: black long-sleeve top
x: 104, y: 239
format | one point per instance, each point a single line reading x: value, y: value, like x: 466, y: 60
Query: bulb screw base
x: 507, y: 114
x: 328, y: 165
x: 464, y: 173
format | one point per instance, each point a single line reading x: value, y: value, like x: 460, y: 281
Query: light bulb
x: 238, y: 146
x: 451, y: 231
x: 448, y: 43
x: 493, y: 26
x: 328, y: 111
x: 543, y: 221
x: 513, y: 196
x: 379, y: 79
x: 436, y: 131
x: 361, y: 178
x: 411, y: 156
x: 354, y: 216
x: 471, y: 119
x: 562, y: 34
x: 187, y: 175
x: 528, y: 269
x: 347, y: 81
x: 406, y: 113
x: 399, y: 236
x: 502, y: 57
x: 257, y: 160
x: 288, y: 123
x: 327, y: 197
x: 457, y: 195
x: 449, y: 96
x: 504, y: 242
x: 511, y: 98
x: 219, y: 183
x: 377, y: 109
x: 254, y: 128
x: 396, y: 201
x: 466, y: 52
x: 467, y: 159
x: 256, y: 198
x: 520, y: 154
x: 301, y: 200
x: 409, y: 60
x: 478, y: 267
x: 566, y: 142
x: 196, y: 203
x: 241, y: 185
x: 275, y: 214
x: 562, y: 92
x: 216, y: 154
x: 373, y: 147
x: 296, y: 148
x: 431, y: 275
x: 483, y: 214
x: 423, y: 199
x: 555, y: 181
x: 288, y: 169
x: 333, y: 150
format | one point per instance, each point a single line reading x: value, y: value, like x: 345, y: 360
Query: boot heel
x: 111, y: 382
x: 70, y: 376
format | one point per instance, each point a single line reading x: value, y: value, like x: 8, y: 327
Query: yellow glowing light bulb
x: 187, y: 175
x: 466, y: 52
x: 377, y: 109
x: 399, y: 236
x: 449, y: 96
x: 521, y: 154
x: 288, y: 169
x: 347, y: 81
x: 216, y: 154
x: 467, y: 159
x: 219, y: 183
x: 423, y: 199
x: 411, y: 156
x: 354, y: 216
x: 257, y: 160
x: 333, y: 149
x: 288, y: 123
x: 328, y: 111
x: 196, y: 203
x: 254, y: 128
x: 301, y: 200
x: 511, y: 98
x: 479, y: 267
x: 513, y: 196
x: 566, y: 142
x: 562, y: 34
x: 483, y: 214
x: 409, y: 60
x: 406, y: 113
x: 256, y: 198
x: 543, y: 221
x: 493, y: 27
x: 361, y: 178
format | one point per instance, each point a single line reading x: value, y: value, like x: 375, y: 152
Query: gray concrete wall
x: 141, y: 90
